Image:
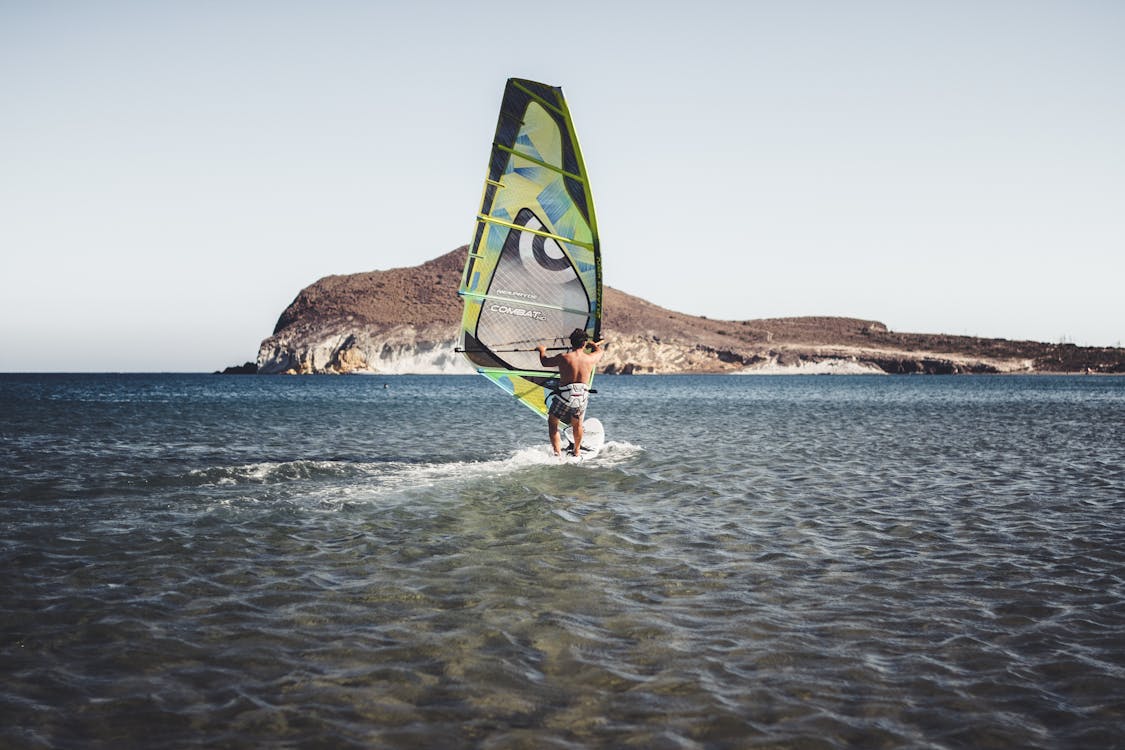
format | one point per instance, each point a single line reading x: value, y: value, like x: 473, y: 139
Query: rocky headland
x: 406, y: 320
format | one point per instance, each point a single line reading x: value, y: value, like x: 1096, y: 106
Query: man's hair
x: 578, y: 338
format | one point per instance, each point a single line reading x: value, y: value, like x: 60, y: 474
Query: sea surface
x: 199, y: 561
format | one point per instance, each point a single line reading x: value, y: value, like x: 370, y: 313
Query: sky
x: 172, y: 174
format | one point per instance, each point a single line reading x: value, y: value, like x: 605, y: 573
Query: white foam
x: 615, y: 453
x: 331, y: 484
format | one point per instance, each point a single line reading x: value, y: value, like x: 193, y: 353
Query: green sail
x: 533, y: 274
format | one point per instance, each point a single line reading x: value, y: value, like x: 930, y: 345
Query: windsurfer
x: 576, y: 367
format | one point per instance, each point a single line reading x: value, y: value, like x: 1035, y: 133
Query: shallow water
x: 798, y: 562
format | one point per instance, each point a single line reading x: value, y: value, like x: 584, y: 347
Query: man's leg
x: 553, y: 432
x: 576, y: 428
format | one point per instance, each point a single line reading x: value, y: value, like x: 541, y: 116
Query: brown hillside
x: 647, y: 338
x: 382, y: 298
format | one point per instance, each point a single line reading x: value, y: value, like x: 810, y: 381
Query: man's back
x: 577, y: 366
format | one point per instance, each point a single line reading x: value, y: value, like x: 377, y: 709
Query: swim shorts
x: 570, y: 402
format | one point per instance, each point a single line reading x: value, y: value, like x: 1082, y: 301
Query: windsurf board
x: 593, y: 438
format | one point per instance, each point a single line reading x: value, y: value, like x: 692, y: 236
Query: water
x: 782, y: 562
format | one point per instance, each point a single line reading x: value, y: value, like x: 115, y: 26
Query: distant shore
x: 407, y: 320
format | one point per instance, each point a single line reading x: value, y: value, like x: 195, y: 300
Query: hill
x: 406, y: 320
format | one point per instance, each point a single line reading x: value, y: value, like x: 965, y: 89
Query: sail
x: 533, y: 274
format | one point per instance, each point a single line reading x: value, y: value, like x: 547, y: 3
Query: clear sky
x: 173, y: 173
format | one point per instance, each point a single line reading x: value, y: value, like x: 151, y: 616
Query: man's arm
x: 544, y: 360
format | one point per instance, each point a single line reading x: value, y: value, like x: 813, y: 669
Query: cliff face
x: 406, y: 320
x: 400, y: 321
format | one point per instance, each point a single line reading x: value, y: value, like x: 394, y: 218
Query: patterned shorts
x: 569, y: 405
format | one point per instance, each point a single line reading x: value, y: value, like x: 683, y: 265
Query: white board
x: 593, y: 438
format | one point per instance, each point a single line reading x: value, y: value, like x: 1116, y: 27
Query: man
x: 576, y: 367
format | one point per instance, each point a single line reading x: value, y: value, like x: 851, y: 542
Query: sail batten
x: 533, y: 273
x: 556, y: 237
x: 533, y: 160
x: 524, y: 302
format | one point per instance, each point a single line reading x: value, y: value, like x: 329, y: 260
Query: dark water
x: 785, y: 562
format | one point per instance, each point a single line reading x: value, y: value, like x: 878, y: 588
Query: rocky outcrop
x: 397, y: 349
x: 406, y: 320
x: 400, y: 321
x: 249, y: 368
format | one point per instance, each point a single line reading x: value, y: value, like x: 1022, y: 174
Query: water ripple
x: 839, y: 564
